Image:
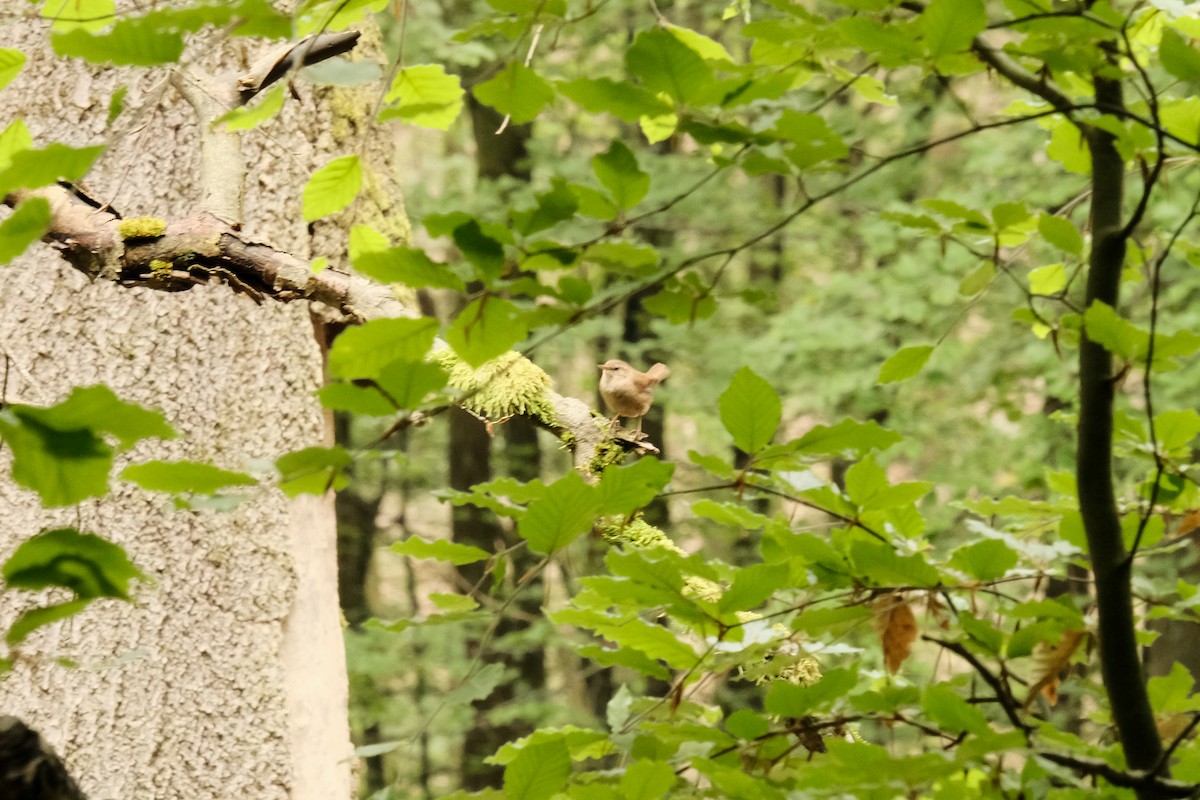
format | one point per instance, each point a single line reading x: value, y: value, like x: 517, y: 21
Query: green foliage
x: 790, y: 198
x: 332, y: 187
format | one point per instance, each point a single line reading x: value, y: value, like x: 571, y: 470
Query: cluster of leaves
x: 821, y: 613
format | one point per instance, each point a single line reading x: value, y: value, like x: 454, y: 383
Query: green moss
x: 158, y: 265
x: 608, y: 454
x: 141, y: 228
x: 508, y: 385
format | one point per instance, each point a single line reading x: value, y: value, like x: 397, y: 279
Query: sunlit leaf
x: 25, y: 226
x: 516, y: 91
x: 332, y: 187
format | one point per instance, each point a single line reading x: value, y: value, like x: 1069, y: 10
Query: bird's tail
x: 659, y: 372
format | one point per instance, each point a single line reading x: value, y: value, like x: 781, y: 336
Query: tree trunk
x: 226, y: 677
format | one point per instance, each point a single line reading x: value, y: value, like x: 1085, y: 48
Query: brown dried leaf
x: 935, y: 608
x: 1189, y: 522
x: 1049, y: 661
x: 897, y: 628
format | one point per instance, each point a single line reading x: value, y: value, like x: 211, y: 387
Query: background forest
x: 916, y: 509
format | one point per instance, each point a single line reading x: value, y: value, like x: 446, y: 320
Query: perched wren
x: 628, y: 392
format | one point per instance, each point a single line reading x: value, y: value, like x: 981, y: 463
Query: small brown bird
x: 628, y: 392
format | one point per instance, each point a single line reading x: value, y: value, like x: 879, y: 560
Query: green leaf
x: 517, y: 91
x: 618, y: 170
x: 647, y: 780
x: 626, y: 489
x: 424, y: 95
x: 363, y: 351
x: 82, y: 562
x: 750, y: 410
x: 950, y: 25
x: 904, y: 364
x: 408, y: 266
x: 60, y: 451
x: 812, y: 140
x: 408, y: 383
x: 33, y: 168
x: 1061, y: 233
x: 1048, y: 280
x: 1175, y: 429
x: 313, y: 470
x: 484, y: 251
x: 1178, y: 57
x: 985, y: 560
x: 90, y: 15
x: 365, y: 400
x: 538, y: 772
x: 440, y: 549
x: 752, y: 586
x: 1173, y: 692
x: 11, y: 62
x: 747, y: 724
x: 848, y: 439
x: 952, y: 713
x: 979, y: 279
x: 27, y: 224
x: 453, y: 603
x: 665, y: 64
x: 555, y: 206
x: 621, y: 99
x: 13, y: 139
x: 34, y: 618
x: 791, y: 700
x: 178, y: 477
x: 1116, y: 335
x: 880, y: 565
x: 566, y: 511
x: 486, y: 328
x: 132, y: 41
x: 244, y: 118
x: 332, y: 187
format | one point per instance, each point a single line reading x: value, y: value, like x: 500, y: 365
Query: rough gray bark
x: 225, y: 678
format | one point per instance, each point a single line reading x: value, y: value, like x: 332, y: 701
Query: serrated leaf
x: 179, y: 477
x: 424, y: 95
x: 951, y: 712
x: 979, y: 279
x: 985, y: 560
x: 950, y: 25
x: 440, y: 549
x: 791, y: 700
x: 486, y: 328
x: 313, y: 470
x: 626, y: 489
x: 408, y: 266
x: 11, y: 62
x: 750, y: 410
x: 332, y: 187
x: 904, y: 364
x: 623, y: 100
x: 647, y: 780
x: 538, y: 772
x: 365, y: 400
x: 618, y: 170
x: 82, y: 562
x: 565, y: 511
x: 1048, y: 280
x: 665, y: 64
x: 1061, y: 233
x: 35, y: 618
x: 516, y: 91
x: 31, y: 168
x: 134, y: 41
x: 27, y: 224
x: 363, y: 351
x: 752, y: 586
x: 408, y: 383
x: 1178, y: 57
x: 248, y: 117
